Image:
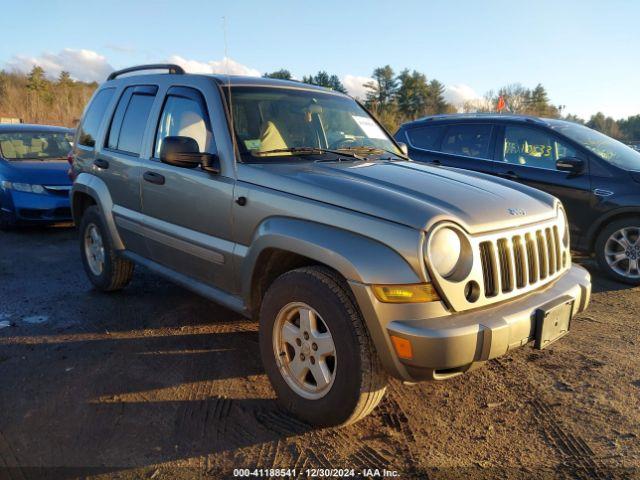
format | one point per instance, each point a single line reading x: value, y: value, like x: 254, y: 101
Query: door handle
x: 101, y: 163
x: 510, y: 175
x: 153, y: 177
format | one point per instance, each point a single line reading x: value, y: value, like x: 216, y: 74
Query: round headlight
x: 563, y: 226
x: 445, y: 250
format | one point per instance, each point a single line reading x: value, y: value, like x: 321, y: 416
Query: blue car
x: 34, y: 184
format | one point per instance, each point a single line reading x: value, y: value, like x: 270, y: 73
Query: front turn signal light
x: 416, y: 293
x: 403, y: 347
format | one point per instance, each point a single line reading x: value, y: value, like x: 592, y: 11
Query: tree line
x: 37, y: 99
x: 394, y: 98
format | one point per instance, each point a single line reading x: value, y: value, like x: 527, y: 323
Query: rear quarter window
x: 88, y: 129
x: 426, y: 137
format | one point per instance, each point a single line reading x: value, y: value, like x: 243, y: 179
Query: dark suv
x: 596, y: 177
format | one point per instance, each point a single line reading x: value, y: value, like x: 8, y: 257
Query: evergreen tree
x: 323, y: 79
x: 413, y: 95
x: 282, y: 74
x: 382, y: 90
x: 36, y: 81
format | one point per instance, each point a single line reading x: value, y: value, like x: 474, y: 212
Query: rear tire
x: 105, y: 269
x: 354, y: 381
x: 617, y: 250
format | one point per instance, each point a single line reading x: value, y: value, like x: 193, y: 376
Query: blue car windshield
x: 613, y: 151
x: 35, y: 145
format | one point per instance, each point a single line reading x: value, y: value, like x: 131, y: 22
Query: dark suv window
x: 130, y: 119
x: 469, y: 140
x: 533, y: 147
x: 93, y: 117
x: 425, y: 137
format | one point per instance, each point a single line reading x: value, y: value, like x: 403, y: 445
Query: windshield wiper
x: 372, y: 150
x: 311, y: 151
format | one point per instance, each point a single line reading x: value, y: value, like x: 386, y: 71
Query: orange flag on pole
x: 501, y: 104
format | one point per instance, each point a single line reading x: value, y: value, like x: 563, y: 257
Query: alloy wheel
x: 304, y: 350
x: 622, y: 252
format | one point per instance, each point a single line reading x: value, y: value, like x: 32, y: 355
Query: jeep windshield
x: 289, y: 124
x: 613, y: 151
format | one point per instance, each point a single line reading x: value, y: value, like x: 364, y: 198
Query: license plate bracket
x: 553, y: 322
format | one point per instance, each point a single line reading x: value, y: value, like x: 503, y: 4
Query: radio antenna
x: 230, y: 106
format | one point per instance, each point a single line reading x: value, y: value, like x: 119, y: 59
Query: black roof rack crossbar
x: 154, y: 66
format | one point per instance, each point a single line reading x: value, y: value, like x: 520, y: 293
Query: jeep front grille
x: 518, y: 261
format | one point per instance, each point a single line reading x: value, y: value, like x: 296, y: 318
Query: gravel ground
x: 155, y: 382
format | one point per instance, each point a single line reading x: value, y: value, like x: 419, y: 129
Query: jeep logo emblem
x: 516, y: 212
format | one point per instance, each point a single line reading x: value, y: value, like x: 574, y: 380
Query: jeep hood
x: 408, y: 193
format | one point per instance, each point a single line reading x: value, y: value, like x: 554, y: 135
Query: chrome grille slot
x: 551, y: 251
x: 520, y: 262
x: 506, y: 265
x: 532, y: 259
x: 489, y: 275
x: 556, y: 239
x: 542, y: 255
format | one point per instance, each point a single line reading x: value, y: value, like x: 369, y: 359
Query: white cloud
x: 459, y: 94
x: 85, y: 65
x: 355, y: 85
x: 226, y: 65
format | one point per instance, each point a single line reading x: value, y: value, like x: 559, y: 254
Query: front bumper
x: 30, y: 208
x: 449, y: 345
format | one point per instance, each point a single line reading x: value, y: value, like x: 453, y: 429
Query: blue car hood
x: 38, y: 172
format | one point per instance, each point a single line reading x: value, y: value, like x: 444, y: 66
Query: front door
x: 187, y: 211
x: 529, y: 154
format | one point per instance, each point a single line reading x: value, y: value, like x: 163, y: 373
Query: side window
x: 130, y: 119
x: 185, y: 116
x: 425, y: 137
x: 93, y: 117
x: 533, y: 147
x: 470, y: 140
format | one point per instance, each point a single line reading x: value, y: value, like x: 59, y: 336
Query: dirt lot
x: 154, y: 382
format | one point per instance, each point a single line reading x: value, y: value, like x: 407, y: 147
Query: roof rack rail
x: 154, y: 66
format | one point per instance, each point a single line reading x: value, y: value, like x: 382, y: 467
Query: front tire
x: 618, y: 250
x: 316, y: 349
x: 105, y: 269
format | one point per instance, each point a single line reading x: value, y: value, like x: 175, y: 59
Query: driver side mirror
x: 184, y: 152
x: 571, y: 165
x: 403, y: 148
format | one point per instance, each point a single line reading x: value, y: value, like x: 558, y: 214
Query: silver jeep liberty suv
x: 290, y: 204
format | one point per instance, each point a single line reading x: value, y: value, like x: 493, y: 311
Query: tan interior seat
x: 271, y: 139
x: 8, y: 150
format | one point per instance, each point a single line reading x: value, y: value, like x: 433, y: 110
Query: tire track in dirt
x: 9, y: 463
x: 579, y: 459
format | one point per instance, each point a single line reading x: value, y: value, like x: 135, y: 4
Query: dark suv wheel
x: 101, y: 263
x: 618, y: 250
x: 316, y: 350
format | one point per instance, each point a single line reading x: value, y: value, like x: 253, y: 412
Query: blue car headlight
x: 21, y: 187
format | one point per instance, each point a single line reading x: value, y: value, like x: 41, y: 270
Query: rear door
x: 462, y: 145
x: 119, y: 161
x: 528, y: 154
x: 187, y: 211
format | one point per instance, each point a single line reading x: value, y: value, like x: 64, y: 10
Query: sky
x: 584, y: 52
